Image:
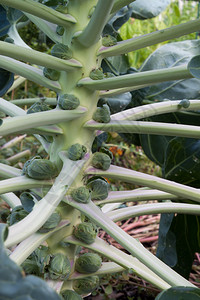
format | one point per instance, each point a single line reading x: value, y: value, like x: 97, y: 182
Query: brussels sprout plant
x: 97, y: 92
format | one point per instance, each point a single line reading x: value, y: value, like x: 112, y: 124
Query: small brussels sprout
x: 185, y: 103
x: 60, y: 30
x: 68, y: 102
x: 97, y: 74
x: 88, y: 263
x: 37, y: 107
x: 76, y: 151
x: 51, y: 74
x: 61, y: 51
x: 81, y: 194
x: 106, y: 151
x: 85, y: 232
x: 17, y: 214
x: 38, y: 168
x: 101, y: 161
x: 109, y: 40
x: 86, y: 285
x: 70, y: 295
x: 60, y: 267
x: 51, y: 223
x: 102, y: 114
x: 98, y: 187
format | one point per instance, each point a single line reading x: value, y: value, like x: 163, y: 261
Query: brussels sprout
x: 109, y: 40
x: 106, y: 151
x: 85, y: 232
x: 17, y: 214
x: 101, y: 161
x: 38, y: 168
x: 98, y: 187
x: 51, y: 74
x: 60, y: 30
x: 96, y: 74
x: 76, y: 152
x: 86, y: 285
x: 37, y: 107
x: 61, y: 51
x: 68, y: 102
x: 88, y: 263
x: 102, y: 114
x: 185, y: 103
x: 81, y: 194
x: 70, y: 295
x: 51, y: 223
x: 60, y: 267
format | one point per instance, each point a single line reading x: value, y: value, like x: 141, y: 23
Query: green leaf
x: 179, y: 293
x: 147, y: 9
x: 13, y: 285
x: 4, y: 24
x: 194, y: 66
x: 6, y: 81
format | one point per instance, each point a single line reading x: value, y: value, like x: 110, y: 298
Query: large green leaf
x: 147, y: 9
x: 4, y: 23
x: 12, y: 283
x: 179, y: 293
x: 6, y: 81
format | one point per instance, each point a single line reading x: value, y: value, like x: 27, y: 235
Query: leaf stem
x: 11, y: 199
x: 8, y: 171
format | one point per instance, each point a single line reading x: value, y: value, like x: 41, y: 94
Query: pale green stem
x: 13, y: 142
x: 37, y: 57
x: 39, y: 119
x: 119, y: 173
x: 46, y: 206
x: 18, y: 156
x: 13, y: 33
x: 41, y: 11
x: 145, y: 127
x: 8, y: 171
x: 11, y: 199
x: 27, y: 246
x: 154, y: 109
x: 28, y: 72
x: 16, y: 83
x: 153, y: 208
x: 107, y: 93
x: 140, y: 78
x: 91, y: 34
x: 121, y: 258
x: 129, y: 243
x: 118, y: 4
x: 48, y: 28
x: 150, y: 39
x: 10, y: 109
x: 22, y: 183
x: 30, y: 101
x: 135, y: 196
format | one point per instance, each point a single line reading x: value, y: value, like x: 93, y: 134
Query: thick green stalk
x: 145, y: 127
x: 8, y: 171
x: 14, y: 158
x: 10, y: 109
x: 154, y: 109
x: 140, y: 78
x: 129, y: 243
x: 153, y: 208
x: 37, y: 57
x: 40, y: 10
x: 91, y: 34
x: 11, y: 199
x: 119, y: 173
x: 151, y: 39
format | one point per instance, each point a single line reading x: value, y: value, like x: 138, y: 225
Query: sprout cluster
x: 81, y: 194
x: 38, y: 168
x: 37, y: 107
x: 60, y: 267
x: 102, y: 114
x: 99, y: 188
x: 76, y: 152
x: 88, y: 263
x: 85, y: 232
x: 51, y: 74
x: 101, y: 161
x: 68, y: 102
x: 86, y: 285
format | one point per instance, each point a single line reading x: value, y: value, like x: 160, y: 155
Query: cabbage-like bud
x: 102, y: 114
x: 68, y: 102
x: 88, y: 263
x: 98, y: 187
x: 109, y: 40
x: 38, y: 168
x: 81, y: 194
x: 60, y: 267
x: 61, y: 51
x: 17, y: 214
x: 185, y: 103
x: 85, y: 232
x: 96, y: 74
x: 106, y: 151
x: 70, y: 295
x: 86, y: 285
x: 60, y: 30
x: 101, y: 161
x: 51, y: 223
x: 76, y: 152
x: 51, y: 74
x: 37, y: 107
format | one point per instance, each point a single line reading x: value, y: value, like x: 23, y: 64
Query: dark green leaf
x: 179, y: 293
x: 147, y: 9
x: 6, y: 81
x: 194, y: 66
x: 118, y: 103
x: 4, y: 24
x: 14, y: 15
